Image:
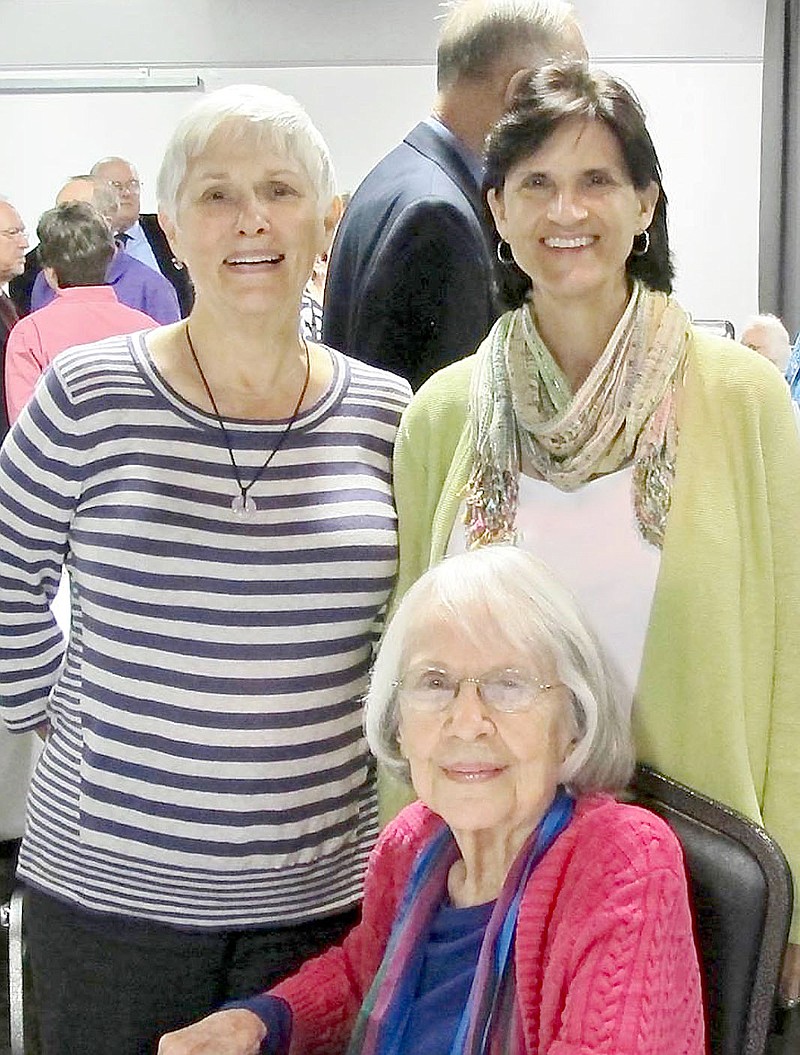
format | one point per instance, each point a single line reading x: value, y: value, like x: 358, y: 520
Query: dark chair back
x: 741, y: 890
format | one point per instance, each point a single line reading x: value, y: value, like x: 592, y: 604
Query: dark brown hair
x: 554, y: 94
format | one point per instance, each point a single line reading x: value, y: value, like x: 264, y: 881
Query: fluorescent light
x: 94, y: 79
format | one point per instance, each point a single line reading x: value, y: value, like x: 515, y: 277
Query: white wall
x: 362, y: 112
x: 697, y: 66
x: 705, y: 119
x: 363, y: 69
x: 336, y: 32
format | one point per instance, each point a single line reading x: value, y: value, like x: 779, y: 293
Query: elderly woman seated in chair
x: 517, y: 907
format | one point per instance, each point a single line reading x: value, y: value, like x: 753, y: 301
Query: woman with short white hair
x: 219, y: 492
x: 517, y: 907
x: 529, y: 612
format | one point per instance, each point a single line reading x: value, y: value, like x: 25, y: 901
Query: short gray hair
x: 476, y: 34
x: 504, y: 590
x: 261, y: 114
x: 95, y: 169
x: 76, y: 242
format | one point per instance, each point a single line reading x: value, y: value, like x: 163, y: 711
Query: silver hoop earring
x: 641, y: 250
x: 503, y: 257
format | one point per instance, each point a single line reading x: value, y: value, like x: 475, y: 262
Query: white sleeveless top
x: 591, y: 540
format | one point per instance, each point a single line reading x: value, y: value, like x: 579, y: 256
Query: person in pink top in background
x: 75, y: 248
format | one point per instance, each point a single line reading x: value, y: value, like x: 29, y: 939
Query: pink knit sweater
x: 605, y: 956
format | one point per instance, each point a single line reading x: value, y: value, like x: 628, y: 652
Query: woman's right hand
x: 232, y: 1032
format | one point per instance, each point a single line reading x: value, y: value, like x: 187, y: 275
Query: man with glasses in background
x: 141, y: 233
x: 134, y: 283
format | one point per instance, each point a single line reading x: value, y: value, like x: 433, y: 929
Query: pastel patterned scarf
x: 490, y: 1023
x: 522, y: 412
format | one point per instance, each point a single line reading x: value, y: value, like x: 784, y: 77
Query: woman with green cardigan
x: 655, y: 468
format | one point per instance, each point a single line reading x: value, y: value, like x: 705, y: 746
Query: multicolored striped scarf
x: 490, y: 1023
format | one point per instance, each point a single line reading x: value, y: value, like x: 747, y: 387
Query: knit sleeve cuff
x: 276, y: 1015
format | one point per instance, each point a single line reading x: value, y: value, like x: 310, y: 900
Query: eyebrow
x: 606, y: 170
x: 272, y: 174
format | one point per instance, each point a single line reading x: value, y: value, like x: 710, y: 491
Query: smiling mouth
x: 472, y: 773
x: 254, y: 261
x: 569, y: 243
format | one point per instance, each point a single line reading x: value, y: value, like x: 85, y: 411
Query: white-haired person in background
x: 767, y: 335
x: 219, y: 492
x: 517, y: 907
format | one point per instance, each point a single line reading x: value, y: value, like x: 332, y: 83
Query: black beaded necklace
x: 243, y: 504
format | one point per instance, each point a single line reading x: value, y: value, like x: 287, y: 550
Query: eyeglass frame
x: 15, y: 232
x: 130, y: 185
x: 539, y: 687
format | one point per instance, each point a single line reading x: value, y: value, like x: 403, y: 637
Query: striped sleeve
x: 41, y: 466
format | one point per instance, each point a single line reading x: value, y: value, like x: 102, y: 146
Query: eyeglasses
x: 431, y: 690
x: 129, y: 185
x: 14, y: 232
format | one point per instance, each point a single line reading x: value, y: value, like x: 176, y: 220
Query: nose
x: 253, y: 218
x: 566, y: 207
x: 469, y: 716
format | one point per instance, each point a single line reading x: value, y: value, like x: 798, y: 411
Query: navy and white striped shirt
x: 206, y: 765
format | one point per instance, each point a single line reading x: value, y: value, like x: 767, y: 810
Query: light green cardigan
x: 718, y: 700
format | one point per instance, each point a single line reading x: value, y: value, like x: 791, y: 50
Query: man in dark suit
x: 141, y: 233
x: 13, y: 243
x: 411, y: 279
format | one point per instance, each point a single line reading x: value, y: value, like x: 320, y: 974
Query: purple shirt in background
x: 134, y: 283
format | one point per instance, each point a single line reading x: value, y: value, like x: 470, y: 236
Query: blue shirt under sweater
x: 448, y: 967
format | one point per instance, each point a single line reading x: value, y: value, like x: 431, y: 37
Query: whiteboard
x: 705, y: 118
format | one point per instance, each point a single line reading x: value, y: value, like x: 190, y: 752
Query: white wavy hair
x: 257, y: 114
x: 503, y: 591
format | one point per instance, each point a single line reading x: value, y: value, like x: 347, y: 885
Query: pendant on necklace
x: 243, y: 505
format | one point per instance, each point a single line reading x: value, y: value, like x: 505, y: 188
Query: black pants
x: 108, y: 987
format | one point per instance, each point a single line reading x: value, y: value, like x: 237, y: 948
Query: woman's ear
x: 50, y: 277
x: 648, y: 199
x: 569, y: 747
x: 331, y: 221
x: 566, y: 770
x: 570, y: 737
x: 494, y: 199
x: 169, y: 227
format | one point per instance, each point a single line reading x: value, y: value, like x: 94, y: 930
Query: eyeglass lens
x: 434, y: 689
